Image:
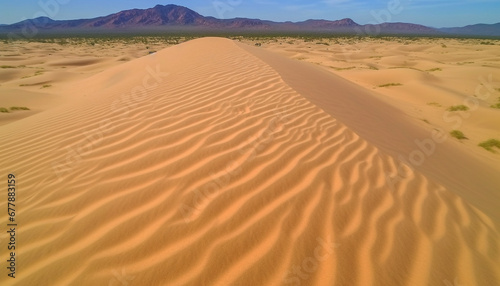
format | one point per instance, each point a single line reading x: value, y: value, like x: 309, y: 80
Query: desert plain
x: 252, y: 160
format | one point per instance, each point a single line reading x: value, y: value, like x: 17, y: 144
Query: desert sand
x: 215, y: 162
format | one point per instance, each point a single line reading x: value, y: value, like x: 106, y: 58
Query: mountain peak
x: 172, y: 15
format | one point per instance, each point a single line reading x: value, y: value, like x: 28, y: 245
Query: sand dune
x: 208, y: 163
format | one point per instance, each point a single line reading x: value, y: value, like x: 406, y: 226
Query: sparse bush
x: 4, y: 110
x: 342, y: 69
x: 19, y: 108
x: 46, y: 85
x: 458, y: 134
x: 8, y: 67
x: 434, y: 104
x: 488, y: 145
x: 497, y: 106
x: 458, y: 108
x: 390, y: 84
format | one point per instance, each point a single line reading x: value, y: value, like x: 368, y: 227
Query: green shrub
x: 458, y: 134
x: 4, y: 110
x: 458, y: 108
x: 390, y: 84
x: 488, y: 145
x: 19, y: 108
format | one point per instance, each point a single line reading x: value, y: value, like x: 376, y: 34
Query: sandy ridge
x: 226, y: 175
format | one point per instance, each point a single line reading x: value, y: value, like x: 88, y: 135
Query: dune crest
x: 200, y: 165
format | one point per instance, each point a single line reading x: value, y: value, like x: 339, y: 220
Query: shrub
x: 488, y: 145
x: 458, y: 134
x: 458, y: 108
x: 19, y: 108
x: 4, y: 110
x: 435, y: 69
x: 389, y: 84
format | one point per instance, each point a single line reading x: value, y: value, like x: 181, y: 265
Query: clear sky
x: 435, y: 13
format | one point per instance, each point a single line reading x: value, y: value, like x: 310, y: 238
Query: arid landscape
x: 253, y: 160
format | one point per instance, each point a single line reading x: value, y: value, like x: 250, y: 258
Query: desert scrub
x: 342, y: 69
x: 19, y: 108
x: 4, y: 110
x: 390, y: 84
x: 36, y: 73
x: 8, y: 67
x: 46, y: 85
x: 434, y: 104
x: 434, y: 69
x: 458, y: 134
x: 497, y: 106
x: 458, y: 108
x: 488, y: 145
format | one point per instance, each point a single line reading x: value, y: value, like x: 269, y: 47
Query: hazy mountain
x: 165, y: 18
x: 475, y: 30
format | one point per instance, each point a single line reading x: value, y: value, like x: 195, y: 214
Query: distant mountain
x: 324, y: 24
x: 490, y: 30
x: 171, y: 17
x: 157, y: 16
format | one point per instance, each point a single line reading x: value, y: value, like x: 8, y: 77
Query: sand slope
x: 201, y: 165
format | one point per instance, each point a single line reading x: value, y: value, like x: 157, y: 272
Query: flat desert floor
x: 339, y: 161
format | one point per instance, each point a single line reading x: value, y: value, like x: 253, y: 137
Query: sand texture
x: 216, y: 163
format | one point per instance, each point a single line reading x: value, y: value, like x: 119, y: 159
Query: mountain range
x: 172, y: 17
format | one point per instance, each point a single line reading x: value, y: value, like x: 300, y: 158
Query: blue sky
x: 436, y: 13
